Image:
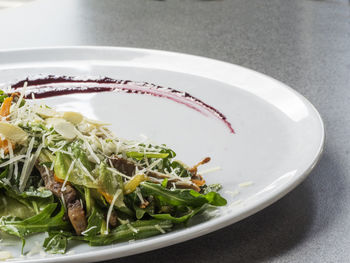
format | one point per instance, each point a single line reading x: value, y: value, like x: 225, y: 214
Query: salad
x: 70, y: 177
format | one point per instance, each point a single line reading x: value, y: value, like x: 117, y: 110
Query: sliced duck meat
x: 124, y: 166
x: 113, y: 220
x: 76, y: 213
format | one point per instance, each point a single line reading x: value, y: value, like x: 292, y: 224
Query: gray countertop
x: 304, y: 43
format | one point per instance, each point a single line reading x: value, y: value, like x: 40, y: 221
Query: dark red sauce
x: 49, y: 86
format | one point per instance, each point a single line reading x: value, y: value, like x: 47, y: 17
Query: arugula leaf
x: 181, y: 197
x: 32, y: 199
x: 165, y: 182
x: 56, y: 243
x: 11, y: 207
x: 211, y: 188
x: 3, y: 96
x: 132, y: 231
x: 39, y: 192
x: 133, y: 201
x: 141, y: 155
x: 183, y: 218
x: 180, y: 169
x: 94, y: 223
x: 172, y: 197
x: 212, y: 197
x: 44, y: 221
x: 4, y: 172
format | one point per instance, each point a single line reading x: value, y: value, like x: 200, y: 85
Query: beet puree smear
x: 49, y: 86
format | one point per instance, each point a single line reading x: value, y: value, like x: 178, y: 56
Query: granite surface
x: 304, y: 43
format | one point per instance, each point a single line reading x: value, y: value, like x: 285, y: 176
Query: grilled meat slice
x: 124, y: 166
x: 113, y: 220
x: 76, y: 216
x: 76, y: 213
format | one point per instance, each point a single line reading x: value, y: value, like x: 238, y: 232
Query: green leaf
x: 61, y: 167
x: 132, y: 231
x: 180, y: 169
x: 42, y: 222
x: 11, y: 207
x: 134, y: 202
x: 110, y: 182
x: 56, y: 243
x: 28, y: 203
x: 172, y: 197
x: 212, y: 197
x: 94, y: 223
x: 181, y: 197
x: 165, y: 182
x: 141, y: 155
x: 3, y: 96
x: 183, y: 218
x: 79, y: 154
x: 211, y: 188
x: 39, y: 192
x: 4, y: 173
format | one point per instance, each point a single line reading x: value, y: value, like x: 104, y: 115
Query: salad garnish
x: 72, y: 178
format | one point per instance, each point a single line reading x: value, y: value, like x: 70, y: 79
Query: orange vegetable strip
x: 5, y: 107
x: 5, y: 111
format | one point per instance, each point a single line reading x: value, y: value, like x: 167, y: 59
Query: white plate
x: 279, y: 134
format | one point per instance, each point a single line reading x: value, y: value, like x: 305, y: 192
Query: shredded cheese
x: 86, y: 171
x: 87, y: 230
x: 214, y: 169
x: 133, y: 229
x: 14, y: 159
x: 110, y: 209
x: 70, y: 169
x: 161, y: 230
x: 113, y: 170
x: 24, y: 174
x: 11, y: 157
x: 246, y: 184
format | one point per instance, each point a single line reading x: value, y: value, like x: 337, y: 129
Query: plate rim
x: 197, y: 230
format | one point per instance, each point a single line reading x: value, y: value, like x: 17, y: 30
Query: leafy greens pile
x: 69, y: 176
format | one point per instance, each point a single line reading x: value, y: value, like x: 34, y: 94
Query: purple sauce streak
x: 49, y: 86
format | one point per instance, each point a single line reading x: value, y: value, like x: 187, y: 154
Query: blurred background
x: 13, y: 3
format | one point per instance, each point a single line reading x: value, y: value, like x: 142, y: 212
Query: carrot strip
x: 198, y: 182
x: 5, y: 111
x: 108, y: 197
x: 193, y: 170
x: 5, y: 107
x: 58, y: 179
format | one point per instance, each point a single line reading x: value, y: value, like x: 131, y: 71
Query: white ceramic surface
x: 279, y: 134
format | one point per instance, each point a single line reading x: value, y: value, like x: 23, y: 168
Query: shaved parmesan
x: 13, y: 133
x: 96, y: 123
x: 62, y: 127
x: 73, y: 117
x: 45, y: 112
